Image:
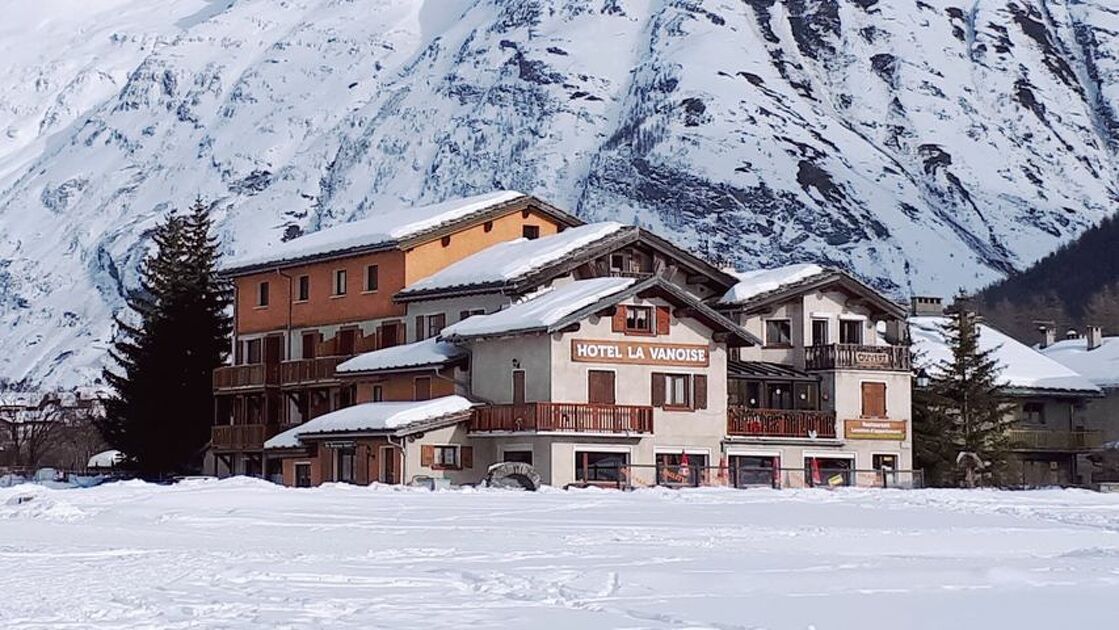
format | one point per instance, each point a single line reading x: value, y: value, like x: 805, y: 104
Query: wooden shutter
x: 519, y: 387
x: 874, y: 400
x: 619, y: 322
x: 419, y: 328
x: 663, y: 316
x: 466, y: 455
x: 600, y: 387
x: 700, y: 391
x: 658, y: 389
x: 423, y: 388
x: 427, y: 455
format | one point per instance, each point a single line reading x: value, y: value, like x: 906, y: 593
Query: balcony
x: 253, y: 376
x: 1045, y: 440
x: 563, y: 417
x: 779, y: 423
x: 310, y: 371
x: 238, y: 437
x: 842, y: 356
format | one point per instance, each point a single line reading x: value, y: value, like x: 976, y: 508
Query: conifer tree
x: 161, y: 412
x: 963, y: 409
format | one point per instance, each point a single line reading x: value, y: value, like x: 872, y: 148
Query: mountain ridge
x: 925, y: 146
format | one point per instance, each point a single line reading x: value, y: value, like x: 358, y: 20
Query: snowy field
x: 246, y: 554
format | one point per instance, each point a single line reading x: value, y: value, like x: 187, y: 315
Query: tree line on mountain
x: 1074, y: 287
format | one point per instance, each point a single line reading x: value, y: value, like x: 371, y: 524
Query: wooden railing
x: 306, y: 371
x: 241, y: 376
x: 1045, y: 440
x: 239, y: 437
x: 786, y: 423
x: 854, y: 356
x: 564, y: 417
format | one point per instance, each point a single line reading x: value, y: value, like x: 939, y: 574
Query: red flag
x: 684, y: 465
x: 815, y: 471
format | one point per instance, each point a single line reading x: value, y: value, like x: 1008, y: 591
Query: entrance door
x: 600, y: 387
x: 346, y: 339
x: 388, y: 465
x: 310, y: 343
x: 518, y: 387
x: 273, y: 349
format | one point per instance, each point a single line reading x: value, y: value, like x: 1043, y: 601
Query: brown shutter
x: 874, y: 400
x: 619, y: 322
x: 467, y: 456
x: 700, y: 391
x: 662, y: 320
x: 419, y: 328
x: 658, y: 389
x: 427, y: 455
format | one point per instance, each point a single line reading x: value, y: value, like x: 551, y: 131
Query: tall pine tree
x: 961, y: 420
x: 162, y: 410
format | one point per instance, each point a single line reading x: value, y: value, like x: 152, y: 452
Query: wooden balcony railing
x: 309, y: 371
x: 1045, y: 440
x: 854, y: 356
x: 238, y: 437
x: 564, y: 417
x: 779, y: 423
x: 246, y: 376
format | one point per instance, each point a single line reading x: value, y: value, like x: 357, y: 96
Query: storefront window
x: 780, y: 395
x: 345, y: 460
x: 593, y: 466
x: 752, y: 470
x: 672, y: 469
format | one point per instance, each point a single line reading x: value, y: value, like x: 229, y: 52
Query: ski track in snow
x: 243, y: 553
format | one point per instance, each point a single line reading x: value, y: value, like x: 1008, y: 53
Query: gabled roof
x: 1099, y: 365
x: 761, y: 288
x: 1025, y: 371
x: 555, y: 309
x: 531, y: 265
x: 393, y: 418
x: 506, y: 262
x: 399, y: 228
x: 429, y: 353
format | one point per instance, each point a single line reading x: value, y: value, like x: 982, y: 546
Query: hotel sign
x: 874, y: 430
x: 639, y: 353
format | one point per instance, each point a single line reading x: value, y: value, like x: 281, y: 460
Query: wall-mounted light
x: 922, y: 378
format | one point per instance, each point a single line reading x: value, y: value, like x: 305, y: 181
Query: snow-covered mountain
x: 927, y: 144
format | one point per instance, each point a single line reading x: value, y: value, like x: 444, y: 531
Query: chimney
x: 1095, y: 337
x: 1048, y: 332
x: 926, y: 305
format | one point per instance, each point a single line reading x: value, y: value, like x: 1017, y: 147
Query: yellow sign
x: 640, y: 353
x: 874, y: 429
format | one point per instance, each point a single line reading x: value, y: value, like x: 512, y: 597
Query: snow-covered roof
x: 428, y: 352
x: 381, y: 229
x: 512, y: 259
x: 374, y: 416
x: 1099, y: 365
x: 105, y: 459
x: 1023, y: 368
x: 541, y: 310
x: 754, y: 283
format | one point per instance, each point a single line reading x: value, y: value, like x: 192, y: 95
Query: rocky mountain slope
x: 926, y: 144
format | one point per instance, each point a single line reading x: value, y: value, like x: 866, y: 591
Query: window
x: 421, y: 330
x: 471, y: 313
x: 446, y: 457
x: 310, y: 343
x: 446, y: 241
x: 487, y: 227
x: 676, y: 390
x: 378, y: 393
x: 435, y: 324
x: 371, y: 277
x: 252, y: 351
x: 806, y: 396
x: 617, y: 262
x: 851, y: 331
x: 874, y: 400
x: 522, y: 457
x: 339, y: 282
x: 346, y: 397
x: 819, y: 332
x: 303, y: 475
x: 884, y: 462
x: 422, y: 388
x: 593, y: 466
x: 600, y: 387
x: 344, y: 464
x: 778, y: 332
x: 531, y: 232
x: 262, y: 294
x: 639, y: 319
x: 1033, y: 413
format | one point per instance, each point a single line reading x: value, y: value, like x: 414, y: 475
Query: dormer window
x: 531, y: 232
x: 851, y: 331
x: 639, y: 319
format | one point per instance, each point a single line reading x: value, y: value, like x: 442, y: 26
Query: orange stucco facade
x: 395, y: 270
x: 402, y: 387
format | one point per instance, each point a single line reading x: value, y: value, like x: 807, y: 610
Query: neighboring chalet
x: 1096, y: 358
x: 596, y: 353
x: 1050, y: 433
x: 825, y: 384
